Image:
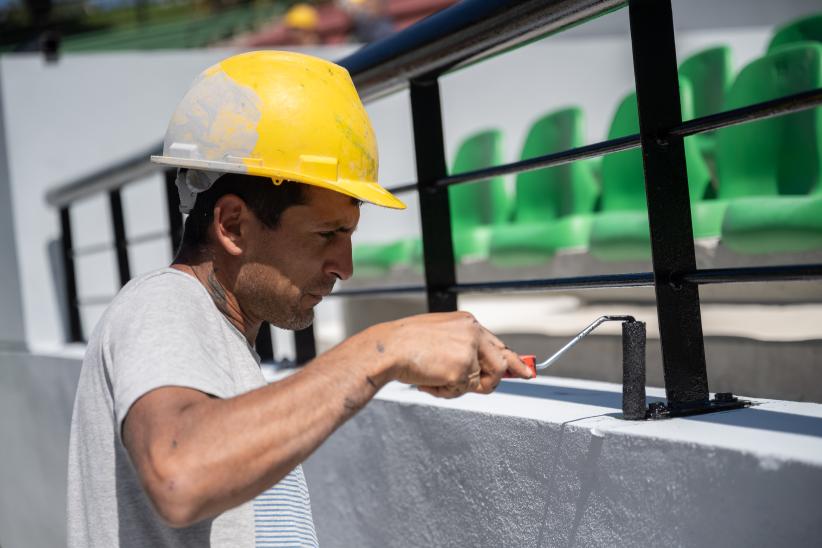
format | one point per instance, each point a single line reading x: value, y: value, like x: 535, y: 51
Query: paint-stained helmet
x: 282, y: 115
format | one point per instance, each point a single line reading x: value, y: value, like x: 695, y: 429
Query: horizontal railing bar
x: 92, y: 249
x: 760, y: 111
x: 464, y: 33
x: 98, y: 248
x: 149, y: 237
x: 95, y: 300
x: 639, y: 279
x: 114, y: 176
x: 378, y: 291
x: 782, y: 273
x: 548, y: 160
x: 399, y: 189
x: 580, y: 282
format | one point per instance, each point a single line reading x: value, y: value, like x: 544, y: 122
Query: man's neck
x: 215, y: 282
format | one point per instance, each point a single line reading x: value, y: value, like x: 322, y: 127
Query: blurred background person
x: 370, y: 19
x: 301, y: 23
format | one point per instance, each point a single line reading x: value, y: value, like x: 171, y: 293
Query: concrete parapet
x: 550, y: 463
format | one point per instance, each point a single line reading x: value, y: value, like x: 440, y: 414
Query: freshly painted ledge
x: 550, y: 462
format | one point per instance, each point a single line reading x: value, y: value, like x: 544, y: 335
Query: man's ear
x: 230, y: 224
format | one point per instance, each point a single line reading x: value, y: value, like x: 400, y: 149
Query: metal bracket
x: 722, y: 401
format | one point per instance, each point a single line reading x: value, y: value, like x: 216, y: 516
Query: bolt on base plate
x: 723, y: 401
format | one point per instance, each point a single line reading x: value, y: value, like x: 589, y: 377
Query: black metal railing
x: 467, y: 33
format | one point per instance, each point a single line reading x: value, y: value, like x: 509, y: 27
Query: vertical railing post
x: 75, y: 328
x: 435, y: 213
x: 669, y: 212
x: 175, y: 218
x: 120, y: 240
x: 263, y: 344
x: 305, y: 345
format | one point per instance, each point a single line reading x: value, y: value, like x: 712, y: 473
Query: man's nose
x: 340, y: 263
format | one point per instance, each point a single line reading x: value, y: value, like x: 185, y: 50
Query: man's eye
x: 328, y: 235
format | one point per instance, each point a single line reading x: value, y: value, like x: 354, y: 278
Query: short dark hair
x: 265, y: 199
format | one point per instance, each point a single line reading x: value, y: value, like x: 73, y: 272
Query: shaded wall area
x: 36, y: 399
x: 401, y: 474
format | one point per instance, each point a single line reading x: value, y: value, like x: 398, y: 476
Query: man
x: 301, y: 23
x: 176, y: 438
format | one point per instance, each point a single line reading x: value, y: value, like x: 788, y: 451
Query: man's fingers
x: 441, y: 391
x: 474, y: 380
x: 516, y: 367
x: 494, y: 360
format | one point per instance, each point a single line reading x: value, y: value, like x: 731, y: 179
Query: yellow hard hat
x: 282, y: 115
x: 301, y: 16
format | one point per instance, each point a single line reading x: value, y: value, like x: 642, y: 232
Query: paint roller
x: 633, y: 362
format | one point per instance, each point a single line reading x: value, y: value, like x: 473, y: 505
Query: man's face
x: 288, y: 270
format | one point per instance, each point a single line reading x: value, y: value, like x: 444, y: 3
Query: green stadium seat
x: 477, y: 207
x: 770, y: 171
x: 780, y: 224
x: 620, y: 231
x: 710, y: 74
x: 373, y: 260
x: 805, y: 29
x: 552, y: 206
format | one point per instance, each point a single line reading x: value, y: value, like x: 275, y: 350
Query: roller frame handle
x: 530, y: 361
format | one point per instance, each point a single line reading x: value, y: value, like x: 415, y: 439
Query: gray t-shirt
x: 162, y: 329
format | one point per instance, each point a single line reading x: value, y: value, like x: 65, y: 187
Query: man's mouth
x: 320, y: 292
x: 319, y: 295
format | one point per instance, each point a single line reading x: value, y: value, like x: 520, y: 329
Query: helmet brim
x: 370, y: 192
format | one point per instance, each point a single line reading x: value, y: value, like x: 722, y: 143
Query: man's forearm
x: 216, y: 454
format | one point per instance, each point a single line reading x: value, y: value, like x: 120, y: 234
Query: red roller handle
x: 530, y: 361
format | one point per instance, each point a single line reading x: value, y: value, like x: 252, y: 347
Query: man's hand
x: 198, y: 456
x: 448, y: 354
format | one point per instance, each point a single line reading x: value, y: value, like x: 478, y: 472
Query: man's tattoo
x: 351, y: 405
x: 217, y: 291
x: 380, y: 347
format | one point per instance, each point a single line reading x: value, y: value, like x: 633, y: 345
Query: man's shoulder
x: 161, y: 294
x: 165, y: 283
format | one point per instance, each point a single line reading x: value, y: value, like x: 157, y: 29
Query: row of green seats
x: 196, y: 31
x: 768, y: 196
x: 757, y: 185
x: 804, y: 29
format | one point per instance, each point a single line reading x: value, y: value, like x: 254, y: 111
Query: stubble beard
x: 283, y: 312
x: 278, y: 301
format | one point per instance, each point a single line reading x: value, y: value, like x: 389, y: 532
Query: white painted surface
x: 11, y: 305
x: 36, y: 399
x: 548, y: 463
x: 765, y: 430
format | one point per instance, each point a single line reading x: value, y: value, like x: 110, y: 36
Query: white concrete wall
x: 36, y: 399
x: 11, y: 305
x: 550, y: 463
